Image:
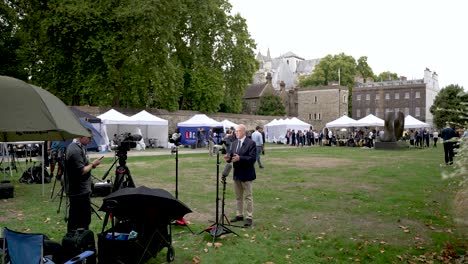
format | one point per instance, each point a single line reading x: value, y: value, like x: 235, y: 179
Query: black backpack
x: 34, y: 175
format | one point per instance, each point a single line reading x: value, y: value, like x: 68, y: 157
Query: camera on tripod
x: 126, y: 141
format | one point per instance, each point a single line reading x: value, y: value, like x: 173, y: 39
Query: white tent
x: 276, y: 130
x: 370, y: 121
x: 152, y: 127
x: 200, y: 120
x: 411, y: 122
x: 228, y: 124
x: 145, y: 123
x: 344, y: 121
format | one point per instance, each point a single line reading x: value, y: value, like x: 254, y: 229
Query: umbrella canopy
x: 29, y: 113
x: 136, y: 201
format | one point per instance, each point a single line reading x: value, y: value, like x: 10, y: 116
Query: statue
x: 393, y: 128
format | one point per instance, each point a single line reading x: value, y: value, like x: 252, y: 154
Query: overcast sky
x: 399, y: 36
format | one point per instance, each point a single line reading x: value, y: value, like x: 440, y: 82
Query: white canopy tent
x: 370, y: 121
x: 200, y: 120
x: 411, y: 122
x: 228, y: 124
x: 144, y: 123
x: 344, y: 121
x: 152, y: 127
x: 276, y: 130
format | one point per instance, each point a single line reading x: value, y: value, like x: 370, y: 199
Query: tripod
x: 58, y: 156
x: 183, y: 221
x: 123, y: 178
x: 218, y: 229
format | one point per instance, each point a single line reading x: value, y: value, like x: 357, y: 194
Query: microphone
x: 227, y: 170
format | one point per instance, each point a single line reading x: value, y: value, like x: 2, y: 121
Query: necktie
x: 239, y: 146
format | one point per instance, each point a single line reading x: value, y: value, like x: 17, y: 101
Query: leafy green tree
x: 181, y: 54
x: 450, y: 106
x: 271, y: 105
x: 363, y: 69
x: 386, y: 76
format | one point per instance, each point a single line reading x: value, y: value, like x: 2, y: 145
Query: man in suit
x: 243, y: 155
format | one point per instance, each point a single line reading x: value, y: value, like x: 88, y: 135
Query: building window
x: 406, y: 95
x: 377, y: 97
x: 345, y: 98
x: 315, y: 116
x: 397, y: 96
x: 310, y: 116
x: 377, y: 112
x: 367, y: 111
x: 406, y: 111
x: 417, y: 111
x: 397, y: 110
x: 387, y: 96
x: 320, y: 116
x: 315, y: 99
x: 387, y: 110
x: 367, y: 97
x: 417, y: 95
x: 358, y: 97
x: 358, y: 113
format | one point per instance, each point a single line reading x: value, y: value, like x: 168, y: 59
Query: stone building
x: 254, y: 92
x: 285, y: 69
x: 319, y: 105
x: 414, y: 97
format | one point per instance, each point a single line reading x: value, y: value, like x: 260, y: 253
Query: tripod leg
x: 53, y: 189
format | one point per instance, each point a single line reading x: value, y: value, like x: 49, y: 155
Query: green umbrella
x: 29, y: 113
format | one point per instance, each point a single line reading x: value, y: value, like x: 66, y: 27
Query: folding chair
x: 23, y: 248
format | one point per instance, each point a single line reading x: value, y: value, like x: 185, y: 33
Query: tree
x: 271, y: 105
x: 181, y: 54
x: 450, y: 106
x: 386, y: 76
x: 363, y: 69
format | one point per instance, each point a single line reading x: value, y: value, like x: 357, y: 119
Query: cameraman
x: 78, y: 183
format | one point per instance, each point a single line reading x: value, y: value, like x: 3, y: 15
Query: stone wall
x: 251, y: 121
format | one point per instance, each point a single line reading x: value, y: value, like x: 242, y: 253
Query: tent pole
x: 43, y: 165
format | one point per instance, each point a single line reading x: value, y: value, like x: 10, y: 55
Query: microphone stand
x: 218, y: 229
x: 183, y: 221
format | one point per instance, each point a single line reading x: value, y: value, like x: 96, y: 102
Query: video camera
x: 126, y: 141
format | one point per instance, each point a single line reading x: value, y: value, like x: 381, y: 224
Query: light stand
x: 218, y: 229
x: 183, y: 221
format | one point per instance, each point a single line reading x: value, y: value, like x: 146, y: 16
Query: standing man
x: 435, y: 137
x: 78, y: 183
x: 448, y: 135
x: 258, y: 139
x: 243, y: 155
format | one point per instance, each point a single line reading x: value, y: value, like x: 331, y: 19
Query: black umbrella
x: 133, y: 202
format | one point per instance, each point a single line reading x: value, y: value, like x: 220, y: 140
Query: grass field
x: 312, y: 205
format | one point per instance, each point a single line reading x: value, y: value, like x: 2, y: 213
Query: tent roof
x: 200, y: 120
x: 344, y: 121
x: 145, y: 118
x: 114, y: 117
x: 411, y: 122
x: 83, y: 115
x: 370, y: 121
x: 297, y: 121
x: 227, y: 123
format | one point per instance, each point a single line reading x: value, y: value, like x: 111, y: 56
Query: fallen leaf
x: 47, y: 220
x: 209, y: 244
x: 287, y: 256
x: 269, y: 262
x: 196, y: 260
x: 218, y: 244
x: 400, y: 258
x: 382, y: 251
x: 206, y: 250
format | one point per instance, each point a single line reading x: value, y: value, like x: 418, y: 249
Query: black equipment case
x: 76, y: 242
x: 102, y: 189
x: 7, y: 190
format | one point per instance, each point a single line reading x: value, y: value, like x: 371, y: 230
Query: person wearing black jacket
x: 448, y: 135
x: 243, y: 155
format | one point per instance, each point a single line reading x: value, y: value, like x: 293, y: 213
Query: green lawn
x: 312, y: 205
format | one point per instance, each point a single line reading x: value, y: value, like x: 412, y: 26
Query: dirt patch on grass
x: 315, y: 162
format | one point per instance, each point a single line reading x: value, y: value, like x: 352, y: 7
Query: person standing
x: 435, y: 137
x: 258, y: 139
x: 448, y: 135
x: 243, y: 155
x: 78, y: 183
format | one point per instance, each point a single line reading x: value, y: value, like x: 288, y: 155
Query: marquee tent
x: 344, y: 121
x: 152, y: 127
x: 276, y: 130
x: 188, y: 128
x: 228, y: 124
x: 370, y: 121
x: 411, y: 122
